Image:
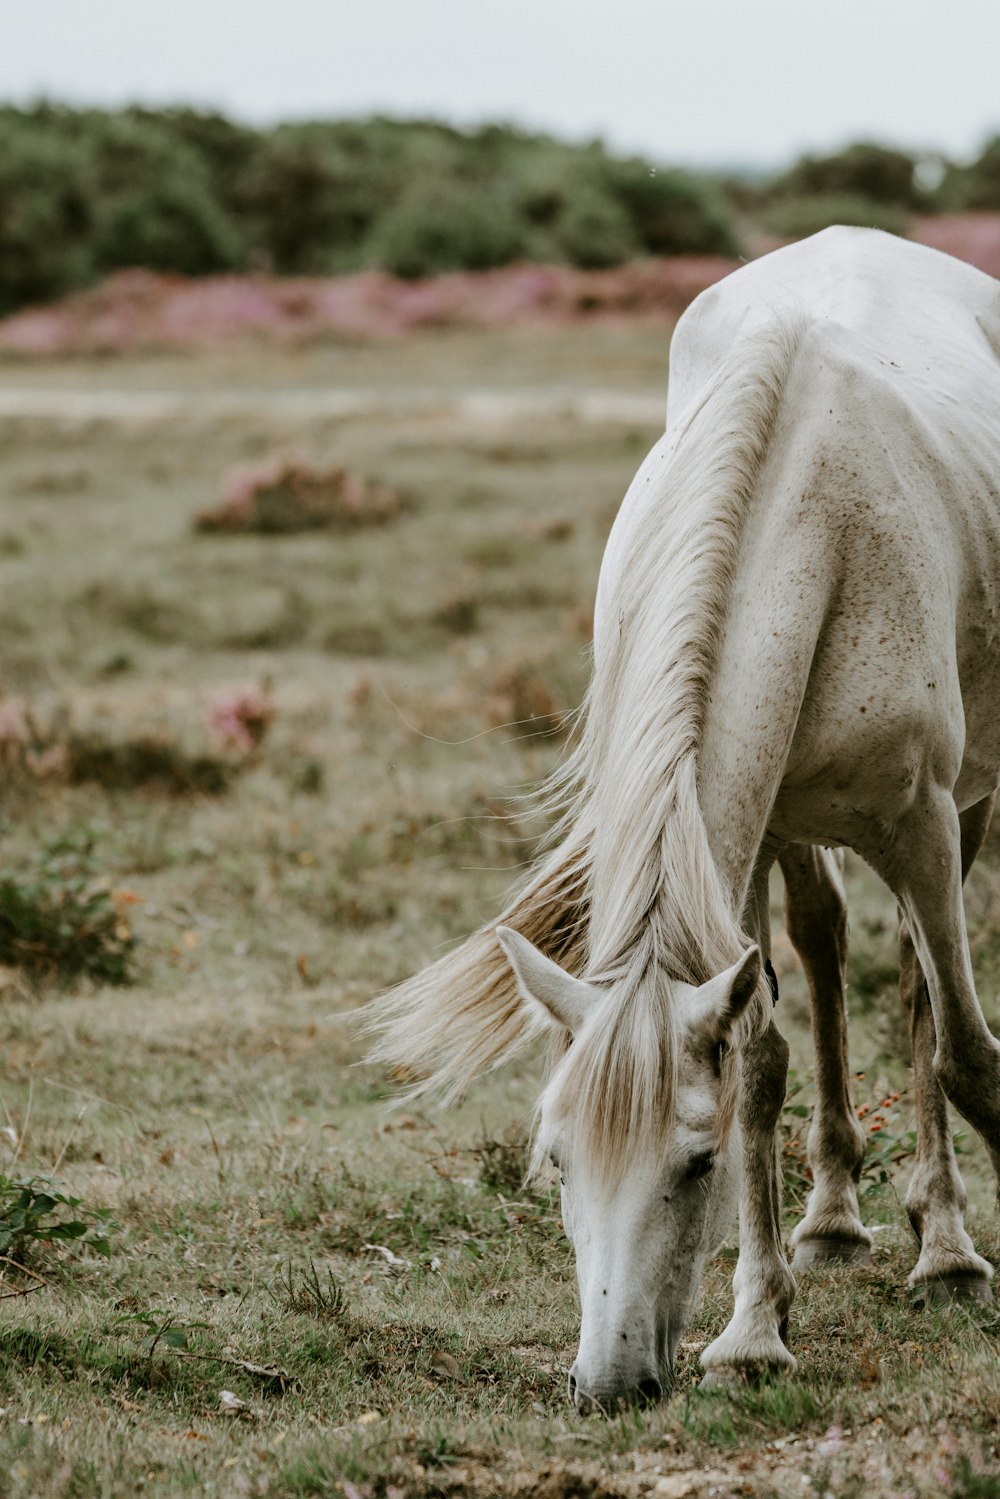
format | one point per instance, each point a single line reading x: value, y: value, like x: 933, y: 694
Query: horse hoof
x: 731, y: 1376
x: 809, y: 1252
x: 942, y: 1290
x: 725, y: 1377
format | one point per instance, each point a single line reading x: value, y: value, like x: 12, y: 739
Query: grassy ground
x: 387, y: 1309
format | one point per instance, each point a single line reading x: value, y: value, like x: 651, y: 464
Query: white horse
x: 797, y: 648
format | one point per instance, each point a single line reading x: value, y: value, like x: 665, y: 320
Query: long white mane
x: 630, y: 894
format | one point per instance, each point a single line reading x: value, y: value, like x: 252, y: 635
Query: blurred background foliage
x: 86, y: 192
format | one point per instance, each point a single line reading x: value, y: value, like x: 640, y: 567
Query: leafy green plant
x: 157, y: 1327
x: 33, y: 1212
x: 60, y: 919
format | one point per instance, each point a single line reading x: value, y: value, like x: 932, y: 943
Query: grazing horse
x: 796, y: 650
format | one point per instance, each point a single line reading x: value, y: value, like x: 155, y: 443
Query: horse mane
x: 630, y: 894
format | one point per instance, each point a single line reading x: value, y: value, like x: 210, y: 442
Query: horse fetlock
x: 754, y: 1341
x: 735, y: 1358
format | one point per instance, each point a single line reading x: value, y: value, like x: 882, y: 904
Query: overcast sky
x: 725, y: 81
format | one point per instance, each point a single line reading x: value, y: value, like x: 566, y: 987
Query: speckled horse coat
x: 796, y: 649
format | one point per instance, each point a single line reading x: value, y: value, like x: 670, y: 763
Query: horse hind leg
x: 948, y: 1265
x: 816, y: 921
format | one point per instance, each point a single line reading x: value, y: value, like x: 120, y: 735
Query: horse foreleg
x: 763, y: 1286
x: 935, y: 1199
x: 955, y: 1054
x: 816, y: 921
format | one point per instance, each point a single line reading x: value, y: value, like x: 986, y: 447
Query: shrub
x: 173, y: 225
x: 303, y: 201
x: 32, y: 1213
x: 672, y: 212
x: 146, y: 760
x: 444, y: 226
x: 46, y: 217
x: 797, y: 217
x: 974, y: 187
x: 156, y: 207
x: 878, y: 174
x: 285, y: 495
x: 58, y: 752
x: 593, y: 230
x: 59, y: 919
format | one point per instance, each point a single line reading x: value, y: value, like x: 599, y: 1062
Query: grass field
x: 387, y: 1309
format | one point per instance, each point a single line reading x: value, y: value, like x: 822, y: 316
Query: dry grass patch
x: 411, y: 1305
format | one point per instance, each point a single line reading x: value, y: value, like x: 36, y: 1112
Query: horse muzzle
x: 605, y: 1396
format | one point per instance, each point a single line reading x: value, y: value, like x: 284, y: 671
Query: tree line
x: 87, y: 192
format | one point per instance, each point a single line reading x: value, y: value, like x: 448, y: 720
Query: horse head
x: 639, y: 1119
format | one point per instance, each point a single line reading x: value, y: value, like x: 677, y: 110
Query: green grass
x: 218, y: 1107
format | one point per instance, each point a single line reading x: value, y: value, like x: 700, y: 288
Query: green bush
x: 866, y: 171
x: 303, y: 202
x: 797, y: 217
x: 171, y: 227
x: 594, y: 230
x: 445, y: 226
x: 59, y: 919
x: 156, y: 207
x: 976, y: 186
x: 672, y: 212
x: 84, y: 192
x: 46, y: 216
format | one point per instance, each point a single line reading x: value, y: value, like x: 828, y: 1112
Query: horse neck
x: 655, y: 881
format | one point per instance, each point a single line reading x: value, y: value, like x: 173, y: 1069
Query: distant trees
x: 867, y: 184
x: 85, y: 192
x: 976, y: 186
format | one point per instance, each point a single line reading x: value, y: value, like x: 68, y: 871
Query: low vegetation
x: 59, y: 918
x: 88, y: 193
x: 306, y: 1292
x: 282, y: 495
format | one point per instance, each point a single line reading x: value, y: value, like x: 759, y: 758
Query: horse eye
x: 700, y: 1166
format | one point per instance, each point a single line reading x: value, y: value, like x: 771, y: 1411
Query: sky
x: 726, y: 82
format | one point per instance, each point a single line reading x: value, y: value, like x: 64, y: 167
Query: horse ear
x: 564, y: 999
x: 720, y: 1003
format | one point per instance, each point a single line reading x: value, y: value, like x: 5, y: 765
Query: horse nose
x: 645, y: 1391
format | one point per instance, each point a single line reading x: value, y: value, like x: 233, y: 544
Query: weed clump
x: 154, y: 759
x: 282, y: 496
x: 32, y: 1212
x: 148, y: 760
x: 61, y: 919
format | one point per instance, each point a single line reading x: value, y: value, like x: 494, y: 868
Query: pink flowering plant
x: 239, y: 720
x: 290, y: 494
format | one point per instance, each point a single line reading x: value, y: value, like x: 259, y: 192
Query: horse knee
x: 765, y: 1073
